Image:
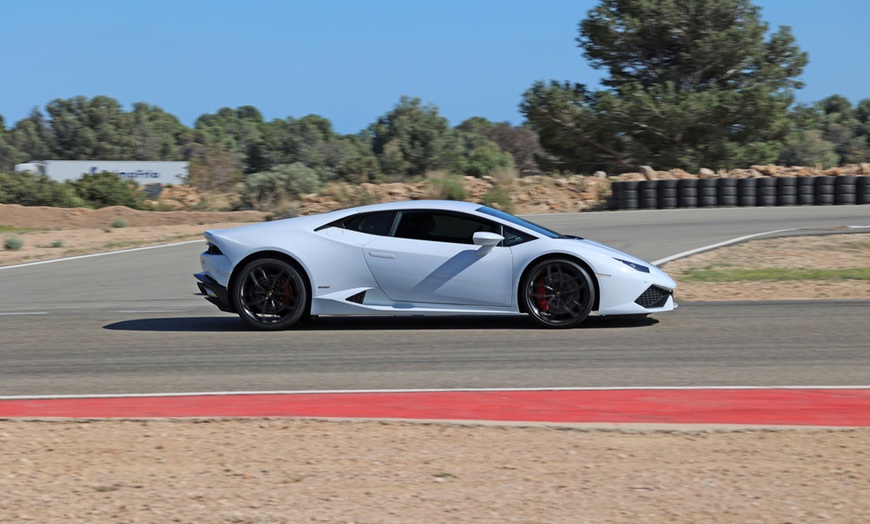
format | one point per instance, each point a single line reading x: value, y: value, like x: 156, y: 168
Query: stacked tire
x: 786, y: 191
x: 708, y: 192
x: 647, y: 194
x: 625, y: 194
x: 766, y: 188
x: 687, y: 193
x: 667, y: 194
x: 845, y: 190
x: 862, y: 190
x: 805, y: 189
x: 823, y: 190
x: 747, y: 192
x: 726, y: 192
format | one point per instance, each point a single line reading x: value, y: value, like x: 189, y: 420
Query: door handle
x: 382, y: 254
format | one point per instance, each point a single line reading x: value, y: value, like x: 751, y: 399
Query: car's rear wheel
x: 270, y: 294
x: 558, y: 293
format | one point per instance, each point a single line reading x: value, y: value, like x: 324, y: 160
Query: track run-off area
x: 124, y: 335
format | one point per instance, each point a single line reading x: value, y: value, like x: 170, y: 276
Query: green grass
x: 9, y: 229
x: 709, y: 274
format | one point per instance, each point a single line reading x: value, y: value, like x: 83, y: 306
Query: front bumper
x: 214, y: 292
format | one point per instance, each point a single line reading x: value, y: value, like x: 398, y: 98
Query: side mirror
x: 487, y: 241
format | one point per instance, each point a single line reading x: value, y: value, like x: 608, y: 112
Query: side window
x: 372, y: 224
x: 441, y: 227
x: 512, y: 237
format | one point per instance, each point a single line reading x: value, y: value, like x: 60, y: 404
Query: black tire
x: 687, y: 190
x: 707, y: 187
x: 746, y: 194
x: 270, y: 294
x: 557, y: 293
x: 863, y: 190
x: 806, y: 195
x: 629, y: 203
x: 628, y: 197
x: 707, y: 201
x: 647, y: 194
x: 786, y: 191
x: 668, y: 203
x: 845, y: 190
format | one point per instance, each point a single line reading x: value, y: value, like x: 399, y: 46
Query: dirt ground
x: 292, y: 470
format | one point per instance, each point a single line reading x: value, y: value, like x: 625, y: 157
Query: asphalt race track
x: 130, y: 323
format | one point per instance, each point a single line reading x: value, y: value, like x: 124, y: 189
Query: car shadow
x: 234, y: 324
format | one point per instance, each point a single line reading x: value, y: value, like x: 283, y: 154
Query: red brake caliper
x: 284, y: 285
x: 541, y: 291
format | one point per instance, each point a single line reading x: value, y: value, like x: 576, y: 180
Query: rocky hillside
x: 538, y: 194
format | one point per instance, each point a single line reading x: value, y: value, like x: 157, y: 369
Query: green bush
x: 29, y: 189
x: 444, y: 186
x: 107, y: 189
x: 498, y: 197
x: 14, y: 243
x: 269, y: 190
x: 298, y: 179
x: 261, y: 191
x: 119, y: 223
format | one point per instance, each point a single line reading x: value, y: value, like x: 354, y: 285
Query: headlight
x: 634, y: 265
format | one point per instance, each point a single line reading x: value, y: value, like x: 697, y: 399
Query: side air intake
x: 358, y: 298
x: 653, y: 297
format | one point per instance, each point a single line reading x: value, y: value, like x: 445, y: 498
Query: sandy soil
x: 288, y: 470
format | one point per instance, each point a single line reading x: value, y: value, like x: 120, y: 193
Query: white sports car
x: 422, y: 258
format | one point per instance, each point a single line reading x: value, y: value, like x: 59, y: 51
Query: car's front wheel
x: 558, y: 293
x: 270, y: 294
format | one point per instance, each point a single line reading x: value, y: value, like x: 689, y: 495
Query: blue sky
x: 347, y: 60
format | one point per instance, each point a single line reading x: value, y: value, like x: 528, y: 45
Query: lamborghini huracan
x: 422, y: 258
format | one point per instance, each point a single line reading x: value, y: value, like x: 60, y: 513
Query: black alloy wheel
x: 270, y: 294
x: 558, y: 293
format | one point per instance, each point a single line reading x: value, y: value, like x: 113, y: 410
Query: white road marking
x: 378, y: 391
x: 92, y: 255
x: 738, y: 240
x: 16, y: 313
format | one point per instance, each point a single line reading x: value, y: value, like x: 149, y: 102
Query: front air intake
x: 653, y: 297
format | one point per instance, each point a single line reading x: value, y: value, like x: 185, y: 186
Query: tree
x: 90, y: 129
x: 31, y: 138
x: 156, y: 134
x: 692, y: 83
x: 829, y: 132
x: 413, y: 139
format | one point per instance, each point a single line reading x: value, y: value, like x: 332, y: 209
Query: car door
x: 431, y: 257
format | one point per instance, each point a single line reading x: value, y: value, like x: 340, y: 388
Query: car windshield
x: 519, y: 221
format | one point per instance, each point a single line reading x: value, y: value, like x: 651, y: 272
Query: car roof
x: 445, y: 205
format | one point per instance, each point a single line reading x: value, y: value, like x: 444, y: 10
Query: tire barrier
x: 845, y: 189
x: 824, y: 190
x: 747, y: 192
x: 707, y: 193
x: 786, y: 192
x: 687, y: 193
x: 743, y: 192
x: 766, y: 192
x: 806, y: 191
x: 625, y: 194
x: 667, y: 194
x: 647, y: 194
x: 862, y: 190
x: 726, y: 192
